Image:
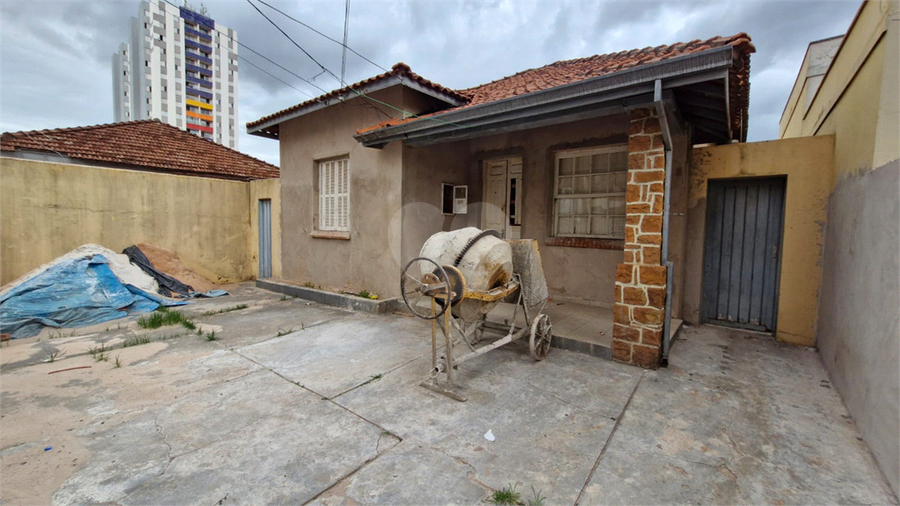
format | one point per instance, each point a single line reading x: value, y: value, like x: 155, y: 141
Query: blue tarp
x: 74, y: 293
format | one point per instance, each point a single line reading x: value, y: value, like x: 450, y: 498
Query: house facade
x: 586, y: 156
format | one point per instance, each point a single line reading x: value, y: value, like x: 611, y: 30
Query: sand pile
x: 120, y: 265
x: 168, y: 262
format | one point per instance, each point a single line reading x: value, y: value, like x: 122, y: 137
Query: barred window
x: 589, y: 198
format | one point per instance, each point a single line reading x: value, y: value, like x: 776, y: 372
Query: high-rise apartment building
x: 181, y: 68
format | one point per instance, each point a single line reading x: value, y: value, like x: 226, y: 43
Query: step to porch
x: 576, y: 327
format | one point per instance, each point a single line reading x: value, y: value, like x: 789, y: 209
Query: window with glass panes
x: 589, y: 200
x: 334, y: 195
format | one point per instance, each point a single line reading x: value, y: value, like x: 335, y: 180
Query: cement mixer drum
x: 485, y: 261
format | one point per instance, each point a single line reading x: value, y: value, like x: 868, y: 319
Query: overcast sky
x: 55, y: 57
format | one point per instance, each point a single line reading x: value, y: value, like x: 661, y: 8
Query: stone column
x: 640, y: 297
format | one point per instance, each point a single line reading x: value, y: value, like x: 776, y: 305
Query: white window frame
x: 559, y: 197
x: 334, y: 194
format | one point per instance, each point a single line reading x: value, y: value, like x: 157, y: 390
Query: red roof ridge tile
x: 399, y: 69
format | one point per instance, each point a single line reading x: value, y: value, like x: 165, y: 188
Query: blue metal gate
x: 742, y: 253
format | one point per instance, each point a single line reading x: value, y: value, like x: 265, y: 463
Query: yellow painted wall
x: 857, y: 101
x: 808, y: 164
x: 48, y: 209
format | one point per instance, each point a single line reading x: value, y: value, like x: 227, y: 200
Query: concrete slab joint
x: 640, y: 295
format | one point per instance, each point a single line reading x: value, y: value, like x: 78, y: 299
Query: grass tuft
x: 211, y: 335
x: 506, y: 496
x: 226, y: 310
x: 135, y: 341
x: 164, y: 317
x: 537, y: 499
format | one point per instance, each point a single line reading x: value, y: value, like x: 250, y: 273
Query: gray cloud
x: 55, y: 56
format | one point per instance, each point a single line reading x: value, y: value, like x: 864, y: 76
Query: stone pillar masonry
x: 640, y: 297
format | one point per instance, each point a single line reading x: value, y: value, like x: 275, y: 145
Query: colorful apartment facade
x: 181, y: 68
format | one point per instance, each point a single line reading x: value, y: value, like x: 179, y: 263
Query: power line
x: 307, y: 81
x: 257, y: 53
x: 298, y: 45
x: 343, y: 44
x: 275, y: 77
x: 324, y: 69
x: 350, y: 88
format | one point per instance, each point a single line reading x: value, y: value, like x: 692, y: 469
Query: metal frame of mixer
x: 446, y: 283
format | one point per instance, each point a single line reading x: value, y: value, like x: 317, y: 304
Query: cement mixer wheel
x: 430, y: 280
x: 541, y: 335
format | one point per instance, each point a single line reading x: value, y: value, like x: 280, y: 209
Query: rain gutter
x: 667, y: 192
x: 610, y: 89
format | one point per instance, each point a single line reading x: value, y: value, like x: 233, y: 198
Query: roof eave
x: 674, y: 72
x: 261, y: 129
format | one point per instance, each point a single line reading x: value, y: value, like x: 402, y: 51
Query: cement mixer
x: 458, y: 278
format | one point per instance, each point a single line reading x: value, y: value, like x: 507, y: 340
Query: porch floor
x: 576, y: 327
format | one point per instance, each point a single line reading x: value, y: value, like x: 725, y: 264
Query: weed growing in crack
x: 211, y: 335
x: 226, y: 310
x: 282, y: 332
x: 164, y: 317
x: 135, y: 341
x: 118, y: 362
x: 98, y: 350
x: 537, y: 499
x: 53, y: 355
x: 506, y: 496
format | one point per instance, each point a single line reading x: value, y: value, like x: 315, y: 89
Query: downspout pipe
x: 667, y: 192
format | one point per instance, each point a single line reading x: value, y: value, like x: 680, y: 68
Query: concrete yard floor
x: 295, y: 402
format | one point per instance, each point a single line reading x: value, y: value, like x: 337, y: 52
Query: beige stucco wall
x: 265, y: 189
x: 808, y: 165
x: 576, y: 274
x: 424, y: 169
x: 367, y: 260
x: 48, y: 209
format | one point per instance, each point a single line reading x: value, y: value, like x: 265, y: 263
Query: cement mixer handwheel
x: 541, y: 335
x: 410, y: 287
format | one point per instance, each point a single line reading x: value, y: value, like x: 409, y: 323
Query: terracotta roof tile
x: 570, y: 71
x: 398, y: 70
x: 149, y: 145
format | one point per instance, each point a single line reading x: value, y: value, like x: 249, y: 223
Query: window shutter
x: 344, y: 197
x: 322, y: 196
x: 334, y: 195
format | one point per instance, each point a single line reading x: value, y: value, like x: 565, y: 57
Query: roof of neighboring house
x: 399, y: 73
x: 568, y: 72
x: 149, y: 145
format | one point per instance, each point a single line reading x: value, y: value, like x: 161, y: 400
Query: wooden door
x: 742, y: 252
